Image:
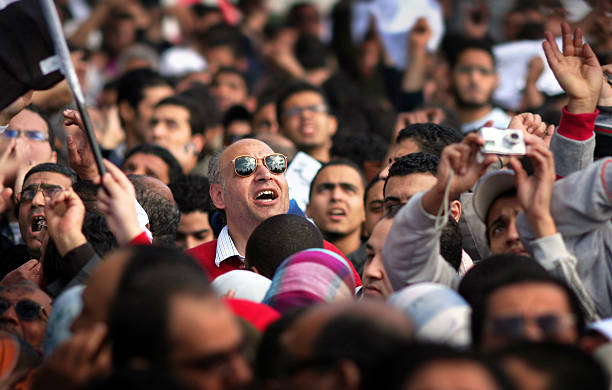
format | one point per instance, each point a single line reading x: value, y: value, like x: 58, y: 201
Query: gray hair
x: 214, y: 169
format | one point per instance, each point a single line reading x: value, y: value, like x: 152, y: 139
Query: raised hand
x: 80, y: 155
x: 534, y: 192
x: 65, y: 213
x: 8, y: 112
x: 532, y: 124
x: 116, y: 199
x: 465, y: 160
x: 420, y: 34
x: 576, y: 69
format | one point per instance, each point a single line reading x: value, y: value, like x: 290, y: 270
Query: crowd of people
x: 381, y: 194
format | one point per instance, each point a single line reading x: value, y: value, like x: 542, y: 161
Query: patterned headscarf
x: 310, y: 276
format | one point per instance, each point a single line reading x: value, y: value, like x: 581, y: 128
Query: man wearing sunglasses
x: 247, y: 182
x: 24, y: 311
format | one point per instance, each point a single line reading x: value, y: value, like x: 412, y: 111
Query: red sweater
x: 205, y: 255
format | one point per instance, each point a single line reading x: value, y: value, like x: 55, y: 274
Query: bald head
x: 247, y: 200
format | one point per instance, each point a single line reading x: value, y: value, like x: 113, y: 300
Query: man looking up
x: 178, y: 125
x: 304, y: 118
x: 138, y: 91
x: 336, y: 204
x: 247, y: 182
x: 473, y: 81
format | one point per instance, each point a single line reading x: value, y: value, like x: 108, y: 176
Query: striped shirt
x: 225, y: 247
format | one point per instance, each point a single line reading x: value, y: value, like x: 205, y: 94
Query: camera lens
x: 510, y: 140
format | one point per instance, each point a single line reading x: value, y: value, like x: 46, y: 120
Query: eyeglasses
x: 468, y: 69
x: 245, y: 166
x: 26, y: 309
x: 34, y: 135
x: 295, y: 111
x: 48, y: 191
x: 514, y: 326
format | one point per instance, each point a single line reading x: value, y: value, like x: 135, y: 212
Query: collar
x: 225, y: 247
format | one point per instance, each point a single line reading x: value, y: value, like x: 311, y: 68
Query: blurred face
x: 501, y: 227
x: 306, y: 121
x: 375, y: 281
x: 144, y: 111
x: 193, y: 230
x: 148, y: 165
x: 207, y: 344
x: 373, y: 206
x: 336, y: 201
x: 452, y: 375
x: 32, y: 211
x: 249, y: 200
x: 474, y: 78
x: 400, y: 189
x: 264, y: 120
x: 229, y: 89
x: 170, y: 128
x: 532, y: 311
x: 28, y: 302
x: 33, y: 138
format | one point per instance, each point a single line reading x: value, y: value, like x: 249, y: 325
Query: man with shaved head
x: 247, y: 182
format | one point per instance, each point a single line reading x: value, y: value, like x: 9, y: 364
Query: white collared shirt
x: 225, y: 247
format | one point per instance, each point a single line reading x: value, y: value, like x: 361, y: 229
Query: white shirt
x: 225, y: 247
x: 499, y: 117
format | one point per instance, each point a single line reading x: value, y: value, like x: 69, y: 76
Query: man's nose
x: 513, y: 234
x: 39, y: 198
x: 10, y: 315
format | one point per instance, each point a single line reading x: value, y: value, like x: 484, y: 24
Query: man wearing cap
x: 247, y: 182
x: 411, y: 252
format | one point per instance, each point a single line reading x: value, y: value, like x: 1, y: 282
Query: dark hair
x: 429, y: 137
x: 174, y: 168
x: 292, y: 89
x: 152, y: 276
x: 52, y: 167
x: 566, y: 367
x: 413, y: 163
x: 338, y: 340
x: 162, y: 211
x: 335, y: 163
x: 132, y: 84
x: 310, y: 52
x: 234, y: 71
x: 277, y: 238
x: 43, y: 114
x: 369, y: 186
x: 223, y: 35
x: 200, y: 94
x: 406, y: 360
x: 499, y: 271
x: 197, y: 121
x: 462, y: 44
x: 359, y: 148
x: 237, y: 113
x: 191, y: 194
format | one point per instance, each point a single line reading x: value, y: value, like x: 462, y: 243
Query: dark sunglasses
x: 245, y: 166
x: 48, y: 191
x: 26, y: 309
x: 514, y: 326
x: 34, y: 135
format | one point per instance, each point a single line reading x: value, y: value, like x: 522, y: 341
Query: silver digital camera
x: 505, y: 142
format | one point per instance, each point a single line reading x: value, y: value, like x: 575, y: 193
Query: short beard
x: 462, y: 104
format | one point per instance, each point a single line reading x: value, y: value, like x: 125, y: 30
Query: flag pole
x: 61, y: 50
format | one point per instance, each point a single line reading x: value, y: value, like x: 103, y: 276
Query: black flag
x: 27, y: 57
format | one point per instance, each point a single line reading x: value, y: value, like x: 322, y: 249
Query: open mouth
x: 336, y: 213
x: 38, y: 223
x: 266, y: 195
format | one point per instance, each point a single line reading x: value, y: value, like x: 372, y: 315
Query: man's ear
x: 126, y: 112
x: 216, y: 194
x: 350, y: 376
x: 456, y: 210
x: 198, y: 142
x: 333, y: 124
